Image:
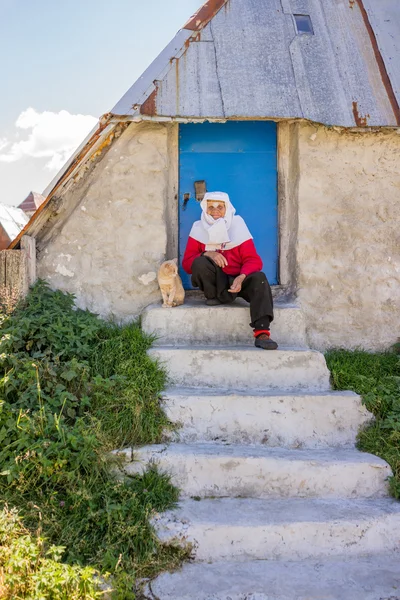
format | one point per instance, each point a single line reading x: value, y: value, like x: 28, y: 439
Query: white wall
x: 348, y: 253
x: 108, y: 251
x: 340, y: 235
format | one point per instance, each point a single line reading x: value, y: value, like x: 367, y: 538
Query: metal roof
x: 245, y: 59
x: 32, y: 202
x: 12, y: 219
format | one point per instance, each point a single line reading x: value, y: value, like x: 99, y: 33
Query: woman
x: 223, y: 261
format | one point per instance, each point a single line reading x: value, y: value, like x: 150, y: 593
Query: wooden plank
x: 16, y: 271
x: 28, y: 245
x: 13, y: 278
x: 3, y: 254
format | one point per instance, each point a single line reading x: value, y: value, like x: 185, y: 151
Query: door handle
x: 186, y: 198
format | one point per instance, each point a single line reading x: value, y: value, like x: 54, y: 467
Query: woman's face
x: 216, y: 209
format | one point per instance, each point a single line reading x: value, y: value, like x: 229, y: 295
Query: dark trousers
x: 212, y: 280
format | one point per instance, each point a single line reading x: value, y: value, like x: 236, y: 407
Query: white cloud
x: 53, y: 135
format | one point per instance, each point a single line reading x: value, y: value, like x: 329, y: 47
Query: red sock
x: 258, y: 332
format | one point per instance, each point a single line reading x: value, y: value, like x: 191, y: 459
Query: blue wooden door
x: 237, y: 157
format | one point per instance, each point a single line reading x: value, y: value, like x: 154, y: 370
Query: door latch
x: 200, y: 189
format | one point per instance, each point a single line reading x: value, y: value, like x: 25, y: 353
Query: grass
x: 30, y: 569
x: 376, y: 377
x: 132, y: 414
x: 72, y: 388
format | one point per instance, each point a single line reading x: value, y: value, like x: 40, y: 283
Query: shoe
x: 266, y: 344
x: 213, y: 302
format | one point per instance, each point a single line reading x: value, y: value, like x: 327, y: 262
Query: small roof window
x: 303, y: 24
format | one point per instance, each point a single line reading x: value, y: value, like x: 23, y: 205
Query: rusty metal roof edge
x: 138, y: 118
x: 204, y: 14
x: 144, y: 90
x: 88, y: 147
x: 386, y: 80
x: 144, y: 86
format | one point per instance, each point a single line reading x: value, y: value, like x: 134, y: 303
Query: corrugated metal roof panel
x: 384, y: 17
x: 249, y: 61
x: 252, y: 51
x: 143, y: 87
x: 196, y: 69
x: 12, y: 219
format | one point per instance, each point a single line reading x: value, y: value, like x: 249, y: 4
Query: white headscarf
x: 220, y: 234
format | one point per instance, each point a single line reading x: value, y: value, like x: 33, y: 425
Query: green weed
x: 73, y: 387
x: 376, y: 377
x: 30, y: 568
x: 131, y: 413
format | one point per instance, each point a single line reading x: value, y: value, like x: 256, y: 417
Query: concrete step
x: 220, y: 470
x: 196, y: 323
x: 287, y: 529
x: 244, y: 368
x: 289, y: 420
x: 374, y: 577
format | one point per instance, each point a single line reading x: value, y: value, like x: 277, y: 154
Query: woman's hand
x: 237, y: 284
x: 218, y: 258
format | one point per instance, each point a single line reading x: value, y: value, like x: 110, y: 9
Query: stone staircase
x: 276, y: 500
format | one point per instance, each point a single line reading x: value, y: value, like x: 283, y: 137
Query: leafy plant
x: 130, y: 413
x: 376, y: 377
x: 29, y: 568
x: 73, y: 387
x: 9, y: 298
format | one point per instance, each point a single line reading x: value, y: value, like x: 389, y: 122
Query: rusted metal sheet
x: 359, y: 120
x: 249, y: 62
x: 382, y: 22
x: 142, y: 88
x: 149, y: 106
x: 185, y: 76
x: 204, y: 14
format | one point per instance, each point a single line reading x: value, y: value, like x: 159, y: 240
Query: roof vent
x: 303, y: 24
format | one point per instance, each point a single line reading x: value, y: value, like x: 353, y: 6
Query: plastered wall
x: 108, y: 251
x: 339, y: 229
x: 348, y: 245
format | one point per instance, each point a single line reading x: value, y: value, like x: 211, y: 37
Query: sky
x: 63, y: 64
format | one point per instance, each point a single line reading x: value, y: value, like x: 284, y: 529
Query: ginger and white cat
x: 170, y: 284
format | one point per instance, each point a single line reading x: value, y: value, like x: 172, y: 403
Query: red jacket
x: 241, y: 260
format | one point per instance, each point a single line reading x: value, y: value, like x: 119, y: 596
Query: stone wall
x: 348, y: 248
x: 108, y: 251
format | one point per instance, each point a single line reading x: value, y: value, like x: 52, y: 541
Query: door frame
x: 288, y: 209
x: 288, y: 182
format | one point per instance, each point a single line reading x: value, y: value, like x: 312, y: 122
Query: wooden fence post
x: 28, y: 245
x: 17, y: 273
x: 14, y: 271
